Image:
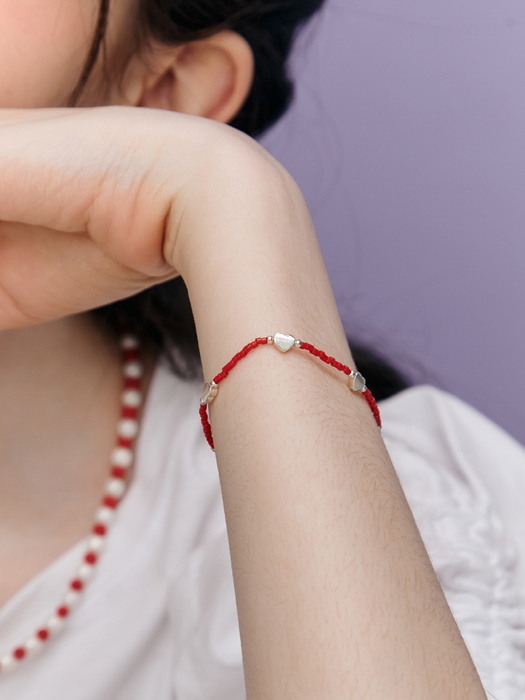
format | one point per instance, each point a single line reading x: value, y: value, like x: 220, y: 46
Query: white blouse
x: 159, y: 622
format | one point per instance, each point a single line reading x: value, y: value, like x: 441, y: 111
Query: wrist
x: 230, y: 203
x: 248, y: 253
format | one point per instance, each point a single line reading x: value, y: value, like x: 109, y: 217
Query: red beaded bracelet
x: 282, y: 342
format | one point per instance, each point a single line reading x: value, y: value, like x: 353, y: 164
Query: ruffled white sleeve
x: 464, y: 478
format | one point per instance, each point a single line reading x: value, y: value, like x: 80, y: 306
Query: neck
x: 49, y: 377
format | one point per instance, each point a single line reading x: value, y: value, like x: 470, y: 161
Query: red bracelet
x: 282, y: 342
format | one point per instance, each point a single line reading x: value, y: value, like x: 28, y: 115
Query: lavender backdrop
x: 408, y: 140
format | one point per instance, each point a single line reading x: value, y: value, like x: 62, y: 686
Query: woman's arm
x: 336, y: 596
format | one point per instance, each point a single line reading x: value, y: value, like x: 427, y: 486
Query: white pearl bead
x: 104, y: 515
x: 85, y: 572
x: 133, y: 370
x: 55, y: 623
x: 32, y: 644
x: 7, y: 661
x: 116, y: 487
x: 128, y: 428
x: 129, y: 342
x: 71, y: 598
x: 96, y: 543
x: 122, y: 457
x: 132, y: 398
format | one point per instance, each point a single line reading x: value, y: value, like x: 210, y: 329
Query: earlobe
x: 209, y: 78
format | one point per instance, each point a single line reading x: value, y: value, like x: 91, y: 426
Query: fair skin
x: 330, y: 573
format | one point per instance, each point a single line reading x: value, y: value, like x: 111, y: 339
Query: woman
x: 335, y: 593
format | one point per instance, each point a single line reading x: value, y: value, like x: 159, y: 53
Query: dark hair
x: 162, y: 314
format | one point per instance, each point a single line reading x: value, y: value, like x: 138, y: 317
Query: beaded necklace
x: 114, y: 490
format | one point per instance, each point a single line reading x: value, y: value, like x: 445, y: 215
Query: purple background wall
x: 408, y: 140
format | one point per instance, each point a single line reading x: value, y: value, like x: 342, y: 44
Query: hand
x: 90, y: 203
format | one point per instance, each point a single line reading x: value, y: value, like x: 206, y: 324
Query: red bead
x: 129, y: 412
x: 125, y: 442
x: 63, y: 611
x: 110, y: 501
x: 206, y: 426
x: 43, y: 635
x: 118, y: 472
x: 132, y: 383
x: 91, y: 558
x: 19, y: 653
x: 99, y: 529
x: 130, y: 354
x: 77, y: 584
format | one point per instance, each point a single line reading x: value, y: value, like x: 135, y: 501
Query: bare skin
x: 330, y: 573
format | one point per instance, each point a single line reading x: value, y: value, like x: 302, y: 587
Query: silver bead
x: 283, y: 341
x: 209, y: 392
x: 356, y: 381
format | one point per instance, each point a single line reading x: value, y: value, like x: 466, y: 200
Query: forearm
x: 336, y: 596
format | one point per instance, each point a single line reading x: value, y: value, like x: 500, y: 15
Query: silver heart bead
x: 283, y: 341
x: 209, y: 392
x: 356, y: 381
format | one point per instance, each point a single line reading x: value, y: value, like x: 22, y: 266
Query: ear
x: 208, y: 78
